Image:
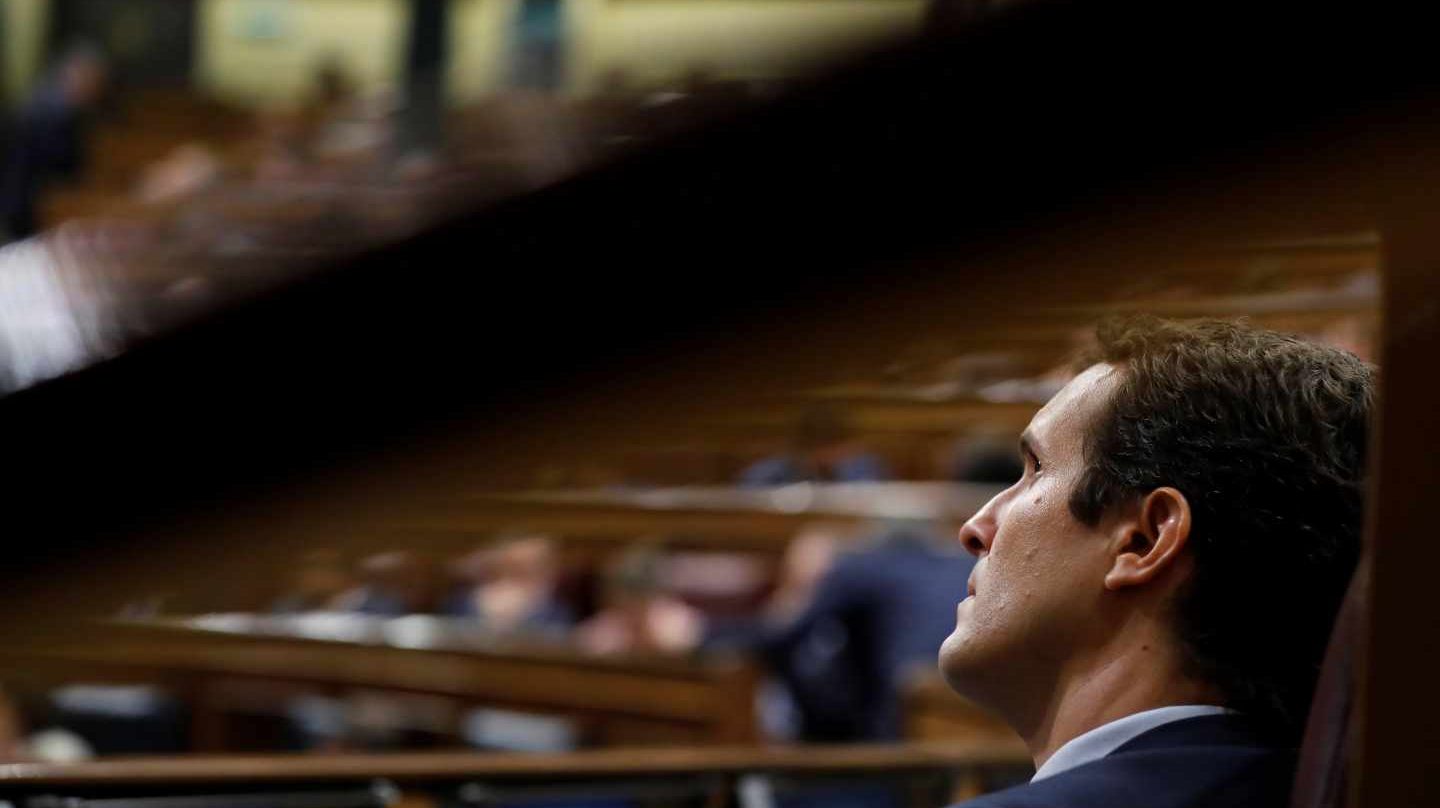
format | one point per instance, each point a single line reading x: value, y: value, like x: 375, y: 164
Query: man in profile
x: 1152, y: 599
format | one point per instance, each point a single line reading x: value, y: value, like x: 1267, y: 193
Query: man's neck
x: 1107, y: 688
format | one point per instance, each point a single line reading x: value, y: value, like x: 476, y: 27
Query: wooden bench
x: 930, y: 774
x: 228, y: 667
x: 725, y: 518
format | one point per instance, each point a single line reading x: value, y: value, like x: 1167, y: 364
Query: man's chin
x: 952, y: 654
x: 959, y: 661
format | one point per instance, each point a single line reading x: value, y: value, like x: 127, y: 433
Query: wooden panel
x: 1400, y: 722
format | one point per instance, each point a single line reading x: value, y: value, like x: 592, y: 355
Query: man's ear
x: 1152, y: 541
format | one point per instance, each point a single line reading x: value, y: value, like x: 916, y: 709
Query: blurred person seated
x: 336, y: 134
x: 338, y: 124
x: 319, y: 584
x: 188, y: 169
x: 372, y: 721
x: 639, y: 615
x: 392, y: 584
x: 333, y: 90
x: 824, y: 449
x: 48, y: 139
x: 874, y: 614
x: 511, y: 587
x: 808, y: 559
x: 360, y: 136
x: 118, y: 719
x: 718, y: 582
x: 51, y: 745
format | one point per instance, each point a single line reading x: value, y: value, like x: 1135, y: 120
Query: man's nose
x: 978, y: 531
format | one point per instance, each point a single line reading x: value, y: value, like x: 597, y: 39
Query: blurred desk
x: 230, y: 665
x: 929, y: 774
x: 878, y: 410
x: 713, y: 517
x: 403, y: 767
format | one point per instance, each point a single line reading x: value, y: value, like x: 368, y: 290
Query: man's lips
x: 970, y: 587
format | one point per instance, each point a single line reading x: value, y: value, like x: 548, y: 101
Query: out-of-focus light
x: 41, y: 336
x: 413, y: 631
x: 796, y: 498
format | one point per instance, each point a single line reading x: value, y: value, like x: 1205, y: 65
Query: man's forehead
x: 1071, y: 409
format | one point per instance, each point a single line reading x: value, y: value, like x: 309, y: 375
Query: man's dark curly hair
x: 1265, y: 436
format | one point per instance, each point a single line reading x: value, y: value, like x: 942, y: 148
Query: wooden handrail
x: 603, y: 763
x: 866, y: 499
x: 699, y: 699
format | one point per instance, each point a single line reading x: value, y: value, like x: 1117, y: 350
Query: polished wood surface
x: 724, y: 518
x: 1397, y: 725
x: 856, y: 759
x: 221, y: 672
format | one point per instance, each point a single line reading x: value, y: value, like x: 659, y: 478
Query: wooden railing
x: 224, y: 675
x: 927, y: 774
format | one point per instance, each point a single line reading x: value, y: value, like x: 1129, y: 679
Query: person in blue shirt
x: 511, y: 588
x: 823, y: 449
x: 878, y: 613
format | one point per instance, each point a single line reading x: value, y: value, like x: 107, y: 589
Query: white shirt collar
x: 1106, y: 738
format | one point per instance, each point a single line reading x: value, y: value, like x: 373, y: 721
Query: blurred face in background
x: 83, y: 80
x: 530, y: 561
x: 1038, y: 587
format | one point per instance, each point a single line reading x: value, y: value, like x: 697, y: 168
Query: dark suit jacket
x: 1218, y: 761
x: 46, y: 144
x: 875, y: 615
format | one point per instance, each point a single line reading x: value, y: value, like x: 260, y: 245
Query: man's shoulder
x: 1166, y: 770
x: 1228, y: 778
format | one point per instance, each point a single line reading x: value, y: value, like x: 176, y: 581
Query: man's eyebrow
x: 1027, y: 444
